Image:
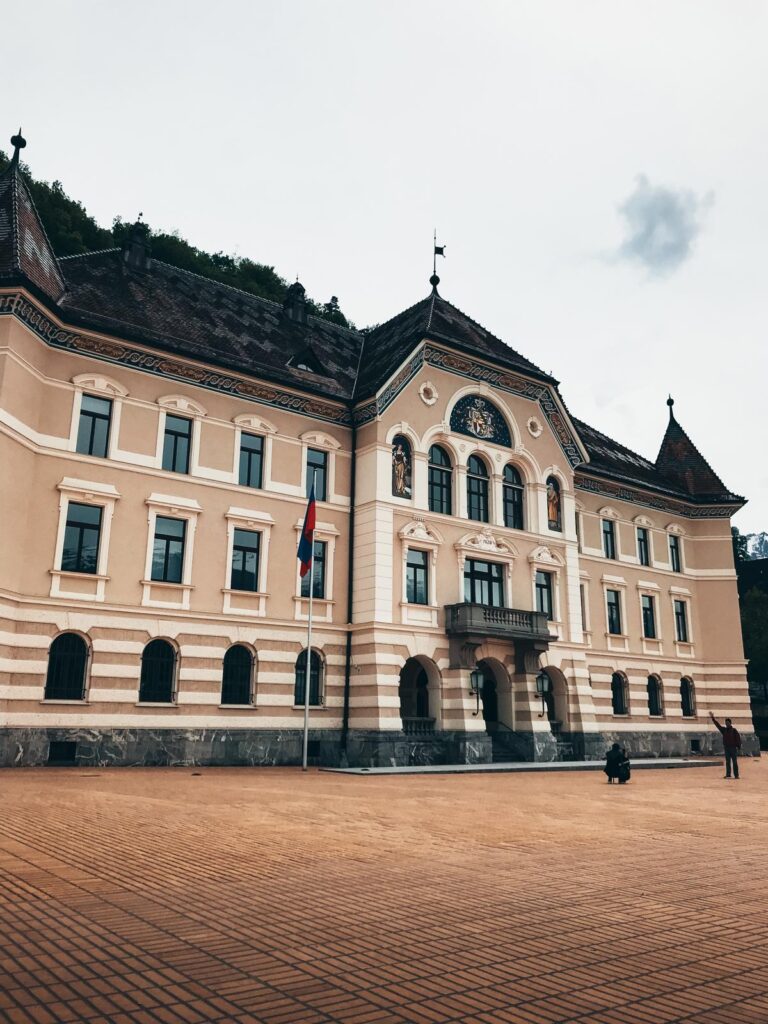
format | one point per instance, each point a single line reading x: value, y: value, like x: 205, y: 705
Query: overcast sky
x: 597, y: 170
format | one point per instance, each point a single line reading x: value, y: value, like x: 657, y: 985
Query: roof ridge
x: 91, y: 252
x: 607, y: 437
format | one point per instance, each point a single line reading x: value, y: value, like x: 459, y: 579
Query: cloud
x: 661, y: 225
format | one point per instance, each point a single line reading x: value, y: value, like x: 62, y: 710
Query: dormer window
x: 307, y: 360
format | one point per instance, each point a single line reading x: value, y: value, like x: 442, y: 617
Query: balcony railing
x: 418, y: 726
x: 480, y: 620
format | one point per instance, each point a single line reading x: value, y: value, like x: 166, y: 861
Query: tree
x: 754, y: 627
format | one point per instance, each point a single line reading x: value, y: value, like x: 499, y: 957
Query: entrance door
x: 490, y: 700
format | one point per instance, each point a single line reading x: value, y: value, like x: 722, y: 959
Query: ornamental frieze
x: 664, y: 504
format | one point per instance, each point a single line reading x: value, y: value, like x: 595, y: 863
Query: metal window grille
x: 67, y: 662
x: 158, y: 673
x: 301, y: 679
x: 236, y: 680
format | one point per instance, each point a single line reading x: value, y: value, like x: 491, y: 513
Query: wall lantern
x: 543, y: 687
x: 475, y: 685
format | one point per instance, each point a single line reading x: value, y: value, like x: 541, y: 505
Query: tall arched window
x: 687, y: 698
x: 315, y: 673
x: 236, y: 680
x: 655, y: 703
x: 513, y: 498
x: 477, y: 489
x: 158, y: 673
x: 554, y: 504
x: 619, y: 693
x: 401, y: 467
x: 67, y: 661
x: 440, y: 480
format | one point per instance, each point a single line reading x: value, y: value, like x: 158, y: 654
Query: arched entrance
x: 419, y: 696
x: 495, y: 696
x: 556, y: 700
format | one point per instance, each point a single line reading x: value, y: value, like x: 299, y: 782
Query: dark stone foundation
x: 365, y: 749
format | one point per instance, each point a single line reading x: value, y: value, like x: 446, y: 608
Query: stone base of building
x: 365, y: 749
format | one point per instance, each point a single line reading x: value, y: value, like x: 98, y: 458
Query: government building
x: 494, y: 579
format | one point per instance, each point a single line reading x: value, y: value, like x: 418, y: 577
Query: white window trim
x: 250, y: 424
x: 419, y: 536
x: 683, y: 648
x: 645, y: 588
x: 673, y: 530
x: 83, y: 492
x: 616, y: 641
x: 174, y: 508
x: 322, y: 607
x: 322, y: 442
x: 100, y: 387
x: 249, y: 602
x: 179, y: 405
x: 485, y: 546
x: 545, y: 559
x: 586, y: 617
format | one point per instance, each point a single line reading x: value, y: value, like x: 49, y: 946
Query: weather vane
x: 438, y: 250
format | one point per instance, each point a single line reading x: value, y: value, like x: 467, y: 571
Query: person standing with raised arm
x: 731, y: 744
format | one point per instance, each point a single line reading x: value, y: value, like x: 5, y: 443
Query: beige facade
x: 414, y: 664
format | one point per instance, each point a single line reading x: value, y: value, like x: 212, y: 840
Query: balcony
x: 418, y: 726
x: 480, y: 621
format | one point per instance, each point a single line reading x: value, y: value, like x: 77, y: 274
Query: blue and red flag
x: 307, y: 542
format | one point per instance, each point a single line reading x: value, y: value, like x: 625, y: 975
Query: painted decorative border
x: 371, y: 410
x: 168, y: 366
x: 659, y: 502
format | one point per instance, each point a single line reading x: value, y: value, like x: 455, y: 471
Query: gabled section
x: 387, y: 345
x: 26, y: 256
x: 305, y: 359
x: 680, y: 462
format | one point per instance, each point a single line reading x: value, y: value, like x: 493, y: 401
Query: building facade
x: 493, y: 578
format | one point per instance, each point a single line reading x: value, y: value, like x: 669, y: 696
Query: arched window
x: 687, y: 698
x: 236, y: 680
x: 513, y: 498
x: 619, y: 694
x: 554, y: 510
x: 655, y: 703
x: 67, y: 661
x: 401, y: 467
x: 477, y: 489
x: 440, y: 480
x: 315, y: 673
x: 158, y: 673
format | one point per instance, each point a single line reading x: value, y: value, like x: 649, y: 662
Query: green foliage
x: 739, y: 541
x: 754, y: 627
x: 71, y: 231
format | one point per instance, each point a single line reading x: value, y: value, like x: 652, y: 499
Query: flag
x: 307, y: 542
x: 439, y: 250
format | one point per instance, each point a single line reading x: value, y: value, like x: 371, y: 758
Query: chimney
x: 294, y: 304
x: 137, y: 248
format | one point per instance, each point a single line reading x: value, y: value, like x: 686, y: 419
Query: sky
x: 596, y: 170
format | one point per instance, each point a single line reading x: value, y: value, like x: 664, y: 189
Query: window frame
x: 157, y: 593
x: 643, y: 537
x: 252, y: 668
x: 675, y: 549
x: 648, y: 616
x: 497, y: 569
x: 411, y: 581
x: 83, y: 492
x: 513, y: 498
x: 478, y: 490
x: 175, y: 434
x: 321, y: 682
x: 608, y: 534
x: 659, y: 695
x: 84, y: 689
x: 81, y: 527
x: 318, y: 582
x: 440, y: 482
x: 544, y: 589
x: 250, y: 452
x: 235, y: 547
x: 619, y: 611
x: 692, y: 712
x: 175, y: 672
x: 680, y: 614
x: 168, y: 539
x: 247, y: 602
x: 94, y: 416
x: 625, y: 704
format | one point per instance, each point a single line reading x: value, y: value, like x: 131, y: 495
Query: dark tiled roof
x: 680, y: 461
x: 610, y: 459
x: 194, y: 316
x: 25, y: 252
x: 390, y: 343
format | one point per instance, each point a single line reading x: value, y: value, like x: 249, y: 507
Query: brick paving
x: 158, y: 896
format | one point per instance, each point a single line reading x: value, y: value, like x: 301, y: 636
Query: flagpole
x: 308, y: 663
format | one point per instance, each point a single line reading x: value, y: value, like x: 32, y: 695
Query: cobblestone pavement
x: 160, y: 896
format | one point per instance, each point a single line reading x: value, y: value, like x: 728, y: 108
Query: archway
x: 556, y: 700
x: 419, y: 692
x: 496, y: 696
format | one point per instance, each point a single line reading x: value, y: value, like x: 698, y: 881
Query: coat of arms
x: 478, y: 420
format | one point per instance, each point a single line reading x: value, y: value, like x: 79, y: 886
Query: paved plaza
x: 183, y: 896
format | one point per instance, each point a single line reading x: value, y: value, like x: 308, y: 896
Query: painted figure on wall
x: 401, y: 467
x: 554, y: 516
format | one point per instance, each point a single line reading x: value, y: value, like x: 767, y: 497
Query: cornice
x: 658, y: 501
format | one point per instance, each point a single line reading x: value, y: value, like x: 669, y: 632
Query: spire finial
x: 670, y: 403
x: 18, y: 142
x: 438, y: 250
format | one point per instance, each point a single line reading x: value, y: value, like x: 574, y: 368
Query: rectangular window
x: 245, y: 560
x: 416, y: 581
x: 317, y: 469
x: 649, y: 616
x: 168, y: 550
x: 544, y: 593
x: 251, y: 460
x: 675, y: 559
x: 578, y: 532
x: 318, y: 572
x: 93, y: 428
x: 439, y: 490
x: 484, y: 583
x: 176, y: 443
x: 477, y: 499
x: 613, y: 599
x: 681, y: 622
x: 609, y: 539
x: 81, y: 538
x: 583, y: 600
x: 643, y: 547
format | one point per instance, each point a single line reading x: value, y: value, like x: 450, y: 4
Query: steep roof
x: 610, y: 459
x: 194, y: 316
x: 26, y: 256
x: 436, y: 319
x: 680, y: 461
